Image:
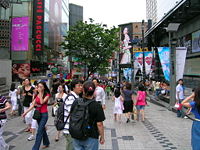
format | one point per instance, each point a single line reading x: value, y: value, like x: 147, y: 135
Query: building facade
x: 151, y: 10
x: 76, y: 14
x: 187, y: 14
x: 35, y: 32
x: 157, y: 9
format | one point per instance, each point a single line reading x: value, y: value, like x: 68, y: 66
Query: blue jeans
x: 41, y: 133
x: 89, y: 144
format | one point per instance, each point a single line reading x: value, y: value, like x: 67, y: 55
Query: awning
x: 182, y: 12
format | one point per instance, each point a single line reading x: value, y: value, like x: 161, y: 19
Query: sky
x: 113, y: 12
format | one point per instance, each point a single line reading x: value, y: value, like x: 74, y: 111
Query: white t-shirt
x: 13, y: 94
x: 180, y: 92
x: 100, y: 95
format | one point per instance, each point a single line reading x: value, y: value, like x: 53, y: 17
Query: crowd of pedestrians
x: 82, y: 104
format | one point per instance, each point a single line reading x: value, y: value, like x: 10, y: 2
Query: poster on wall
x: 180, y: 62
x: 20, y: 34
x: 163, y: 53
x: 126, y: 45
x: 196, y: 42
x: 20, y: 71
x: 127, y: 74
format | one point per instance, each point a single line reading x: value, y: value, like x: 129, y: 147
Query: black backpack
x: 79, y: 120
x: 60, y: 114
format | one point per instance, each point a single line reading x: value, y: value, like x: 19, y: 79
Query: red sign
x: 38, y: 26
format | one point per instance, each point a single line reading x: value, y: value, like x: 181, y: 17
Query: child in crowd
x: 118, y: 107
x: 141, y: 101
x: 13, y: 97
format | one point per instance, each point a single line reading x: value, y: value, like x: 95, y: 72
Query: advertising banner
x: 126, y: 45
x: 127, y: 74
x: 20, y: 34
x: 164, y: 55
x: 148, y: 61
x: 180, y: 62
x: 196, y: 41
x: 20, y: 71
x: 38, y: 26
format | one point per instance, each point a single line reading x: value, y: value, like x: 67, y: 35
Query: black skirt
x: 128, y: 106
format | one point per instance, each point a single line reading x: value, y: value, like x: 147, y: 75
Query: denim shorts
x: 140, y: 107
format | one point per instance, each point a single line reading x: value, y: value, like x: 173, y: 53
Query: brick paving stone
x: 162, y: 130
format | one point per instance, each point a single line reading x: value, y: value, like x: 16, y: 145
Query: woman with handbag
x: 41, y: 115
x: 60, y: 98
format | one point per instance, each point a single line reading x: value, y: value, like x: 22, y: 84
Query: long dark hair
x: 117, y: 92
x: 197, y: 98
x: 46, y: 89
x: 89, y: 88
x: 12, y: 87
x: 63, y: 86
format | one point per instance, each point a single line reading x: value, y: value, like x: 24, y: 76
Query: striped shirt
x: 68, y: 103
x: 3, y: 101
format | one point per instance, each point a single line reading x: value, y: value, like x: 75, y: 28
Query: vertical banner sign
x: 38, y: 26
x: 20, y: 34
x: 163, y: 53
x: 139, y: 60
x: 148, y: 61
x: 180, y: 62
x: 126, y: 43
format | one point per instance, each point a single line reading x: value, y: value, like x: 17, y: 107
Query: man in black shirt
x: 96, y: 118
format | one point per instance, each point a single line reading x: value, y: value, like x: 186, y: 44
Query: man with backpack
x: 76, y: 89
x: 86, y: 120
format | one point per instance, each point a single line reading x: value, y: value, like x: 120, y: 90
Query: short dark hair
x: 12, y: 87
x: 141, y: 88
x: 128, y: 86
x: 89, y: 88
x: 180, y: 80
x: 74, y: 82
x: 98, y: 81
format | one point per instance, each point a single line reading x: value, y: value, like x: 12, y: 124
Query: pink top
x: 141, y: 98
x: 42, y: 108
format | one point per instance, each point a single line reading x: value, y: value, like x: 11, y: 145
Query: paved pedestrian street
x: 162, y: 130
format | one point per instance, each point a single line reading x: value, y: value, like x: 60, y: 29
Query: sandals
x: 45, y: 146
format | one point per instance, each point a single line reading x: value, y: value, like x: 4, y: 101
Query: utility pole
x: 143, y: 58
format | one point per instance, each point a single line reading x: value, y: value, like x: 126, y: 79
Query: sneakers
x: 31, y: 137
x: 7, y: 147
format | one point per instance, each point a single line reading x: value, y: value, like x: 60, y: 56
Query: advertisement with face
x: 20, y: 71
x: 126, y: 43
x: 163, y: 53
x: 20, y: 34
x: 148, y: 61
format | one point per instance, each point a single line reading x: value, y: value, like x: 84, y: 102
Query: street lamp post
x: 172, y: 27
x: 143, y: 58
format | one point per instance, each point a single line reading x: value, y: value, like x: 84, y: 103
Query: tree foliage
x: 92, y: 44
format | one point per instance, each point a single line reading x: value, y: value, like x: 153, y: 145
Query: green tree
x: 92, y: 44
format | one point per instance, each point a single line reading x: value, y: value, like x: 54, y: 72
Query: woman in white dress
x: 118, y: 107
x: 126, y: 58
